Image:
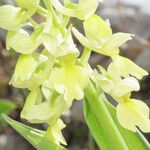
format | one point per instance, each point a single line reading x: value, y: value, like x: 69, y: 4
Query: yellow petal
x: 55, y: 134
x: 22, y: 42
x: 27, y: 4
x: 115, y: 41
x: 102, y: 81
x: 24, y: 70
x: 86, y: 8
x: 96, y: 28
x: 126, y: 67
x: 33, y: 97
x: 134, y: 113
x: 70, y: 80
x: 10, y: 17
x: 125, y: 86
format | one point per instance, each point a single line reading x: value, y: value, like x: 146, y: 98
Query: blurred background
x: 131, y: 16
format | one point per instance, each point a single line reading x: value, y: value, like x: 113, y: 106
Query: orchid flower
x: 99, y: 37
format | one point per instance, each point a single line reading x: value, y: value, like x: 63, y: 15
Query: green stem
x: 103, y: 116
x: 42, y: 11
x: 85, y: 55
x: 56, y: 20
x: 34, y: 23
x: 28, y: 14
x: 48, y: 133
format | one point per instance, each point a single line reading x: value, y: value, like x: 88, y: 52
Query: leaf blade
x: 33, y: 136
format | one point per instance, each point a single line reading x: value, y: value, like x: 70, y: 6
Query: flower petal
x: 126, y: 67
x: 56, y: 132
x: 106, y: 84
x: 82, y: 39
x: 25, y: 67
x: 96, y: 29
x: 10, y: 17
x: 27, y: 4
x: 21, y: 42
x: 82, y: 10
x: 125, y: 86
x: 86, y: 8
x: 64, y: 10
x: 116, y: 40
x: 39, y: 113
x: 33, y: 98
x: 134, y: 113
x: 70, y: 80
x: 58, y: 46
x: 93, y: 45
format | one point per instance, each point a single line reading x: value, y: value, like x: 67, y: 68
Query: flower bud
x: 25, y: 67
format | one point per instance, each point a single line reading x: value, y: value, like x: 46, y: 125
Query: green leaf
x: 34, y: 136
x: 103, y: 129
x: 49, y: 145
x: 6, y: 106
x: 95, y: 127
x: 102, y: 121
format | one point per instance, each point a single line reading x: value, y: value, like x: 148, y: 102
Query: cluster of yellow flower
x: 120, y: 79
x: 57, y: 75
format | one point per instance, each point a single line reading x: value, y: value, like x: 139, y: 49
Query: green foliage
x: 34, y: 136
x: 6, y: 106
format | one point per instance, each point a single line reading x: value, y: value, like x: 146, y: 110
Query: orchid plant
x: 59, y: 73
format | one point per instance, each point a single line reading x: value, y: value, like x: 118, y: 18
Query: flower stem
x: 42, y: 11
x: 85, y: 55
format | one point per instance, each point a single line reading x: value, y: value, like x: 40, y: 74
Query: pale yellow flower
x: 133, y: 113
x: 70, y: 79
